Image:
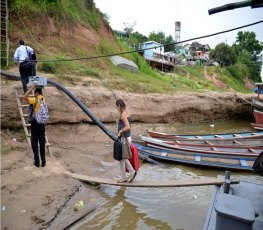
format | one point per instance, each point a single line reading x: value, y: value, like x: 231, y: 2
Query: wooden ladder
x: 23, y: 111
x: 4, y: 34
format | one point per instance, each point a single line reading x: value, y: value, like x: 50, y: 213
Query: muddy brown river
x: 163, y: 208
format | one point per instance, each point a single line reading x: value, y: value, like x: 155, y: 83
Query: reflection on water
x: 162, y: 208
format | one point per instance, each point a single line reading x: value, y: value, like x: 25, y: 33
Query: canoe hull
x: 257, y: 126
x: 258, y: 115
x: 208, y: 137
x: 258, y: 111
x: 199, y: 159
x: 223, y: 150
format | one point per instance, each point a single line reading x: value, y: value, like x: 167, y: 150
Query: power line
x: 140, y: 50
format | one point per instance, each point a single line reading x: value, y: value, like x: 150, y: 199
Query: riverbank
x: 183, y: 107
x: 34, y: 198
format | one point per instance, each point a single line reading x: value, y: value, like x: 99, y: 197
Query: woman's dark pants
x: 38, y: 136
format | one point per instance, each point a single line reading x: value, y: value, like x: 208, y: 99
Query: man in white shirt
x: 26, y: 67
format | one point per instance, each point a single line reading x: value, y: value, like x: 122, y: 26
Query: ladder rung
x: 27, y: 125
x: 25, y: 115
x: 23, y: 105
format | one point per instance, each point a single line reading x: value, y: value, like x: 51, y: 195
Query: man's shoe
x: 43, y: 164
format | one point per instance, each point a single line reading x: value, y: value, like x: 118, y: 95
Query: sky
x: 156, y: 15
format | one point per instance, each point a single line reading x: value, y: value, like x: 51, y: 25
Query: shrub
x: 48, y: 67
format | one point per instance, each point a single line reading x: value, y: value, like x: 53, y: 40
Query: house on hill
x: 156, y: 56
x: 193, y: 54
x: 121, y: 34
x: 201, y: 51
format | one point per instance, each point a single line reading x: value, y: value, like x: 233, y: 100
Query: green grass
x: 6, y: 149
x: 65, y: 11
x: 138, y: 82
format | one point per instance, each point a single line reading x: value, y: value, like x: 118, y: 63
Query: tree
x: 157, y: 37
x: 249, y: 52
x: 129, y: 27
x: 169, y: 40
x: 247, y: 41
x: 223, y: 54
x: 138, y: 38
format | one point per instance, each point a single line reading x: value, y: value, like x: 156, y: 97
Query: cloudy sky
x: 156, y: 15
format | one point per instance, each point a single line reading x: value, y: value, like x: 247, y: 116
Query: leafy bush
x: 48, y: 67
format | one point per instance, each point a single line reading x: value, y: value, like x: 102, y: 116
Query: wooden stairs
x: 23, y: 111
x: 4, y: 33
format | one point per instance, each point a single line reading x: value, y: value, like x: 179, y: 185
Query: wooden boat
x: 201, y: 159
x: 224, y: 142
x: 124, y: 63
x: 252, y: 144
x: 229, y: 136
x: 249, y: 151
x: 258, y: 115
x: 257, y: 105
x: 235, y: 207
x: 257, y: 126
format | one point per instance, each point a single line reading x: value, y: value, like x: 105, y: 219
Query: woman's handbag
x: 117, y: 149
x: 126, y: 149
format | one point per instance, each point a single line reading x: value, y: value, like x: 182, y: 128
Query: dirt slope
x: 182, y: 107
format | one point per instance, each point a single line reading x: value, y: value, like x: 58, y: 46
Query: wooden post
x: 227, y: 182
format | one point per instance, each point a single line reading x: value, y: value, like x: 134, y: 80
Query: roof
x: 148, y: 42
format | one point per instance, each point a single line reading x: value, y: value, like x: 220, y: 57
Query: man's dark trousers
x: 38, y: 135
x: 26, y: 69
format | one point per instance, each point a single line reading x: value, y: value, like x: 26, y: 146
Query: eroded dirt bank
x: 182, y: 107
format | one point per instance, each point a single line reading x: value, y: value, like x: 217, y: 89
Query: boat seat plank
x: 252, y: 150
x: 197, y: 158
x: 219, y: 136
x: 208, y: 142
x: 213, y: 148
x: 237, y: 135
x: 153, y: 184
x: 243, y: 163
x: 237, y: 142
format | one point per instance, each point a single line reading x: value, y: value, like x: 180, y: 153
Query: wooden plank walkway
x: 151, y: 184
